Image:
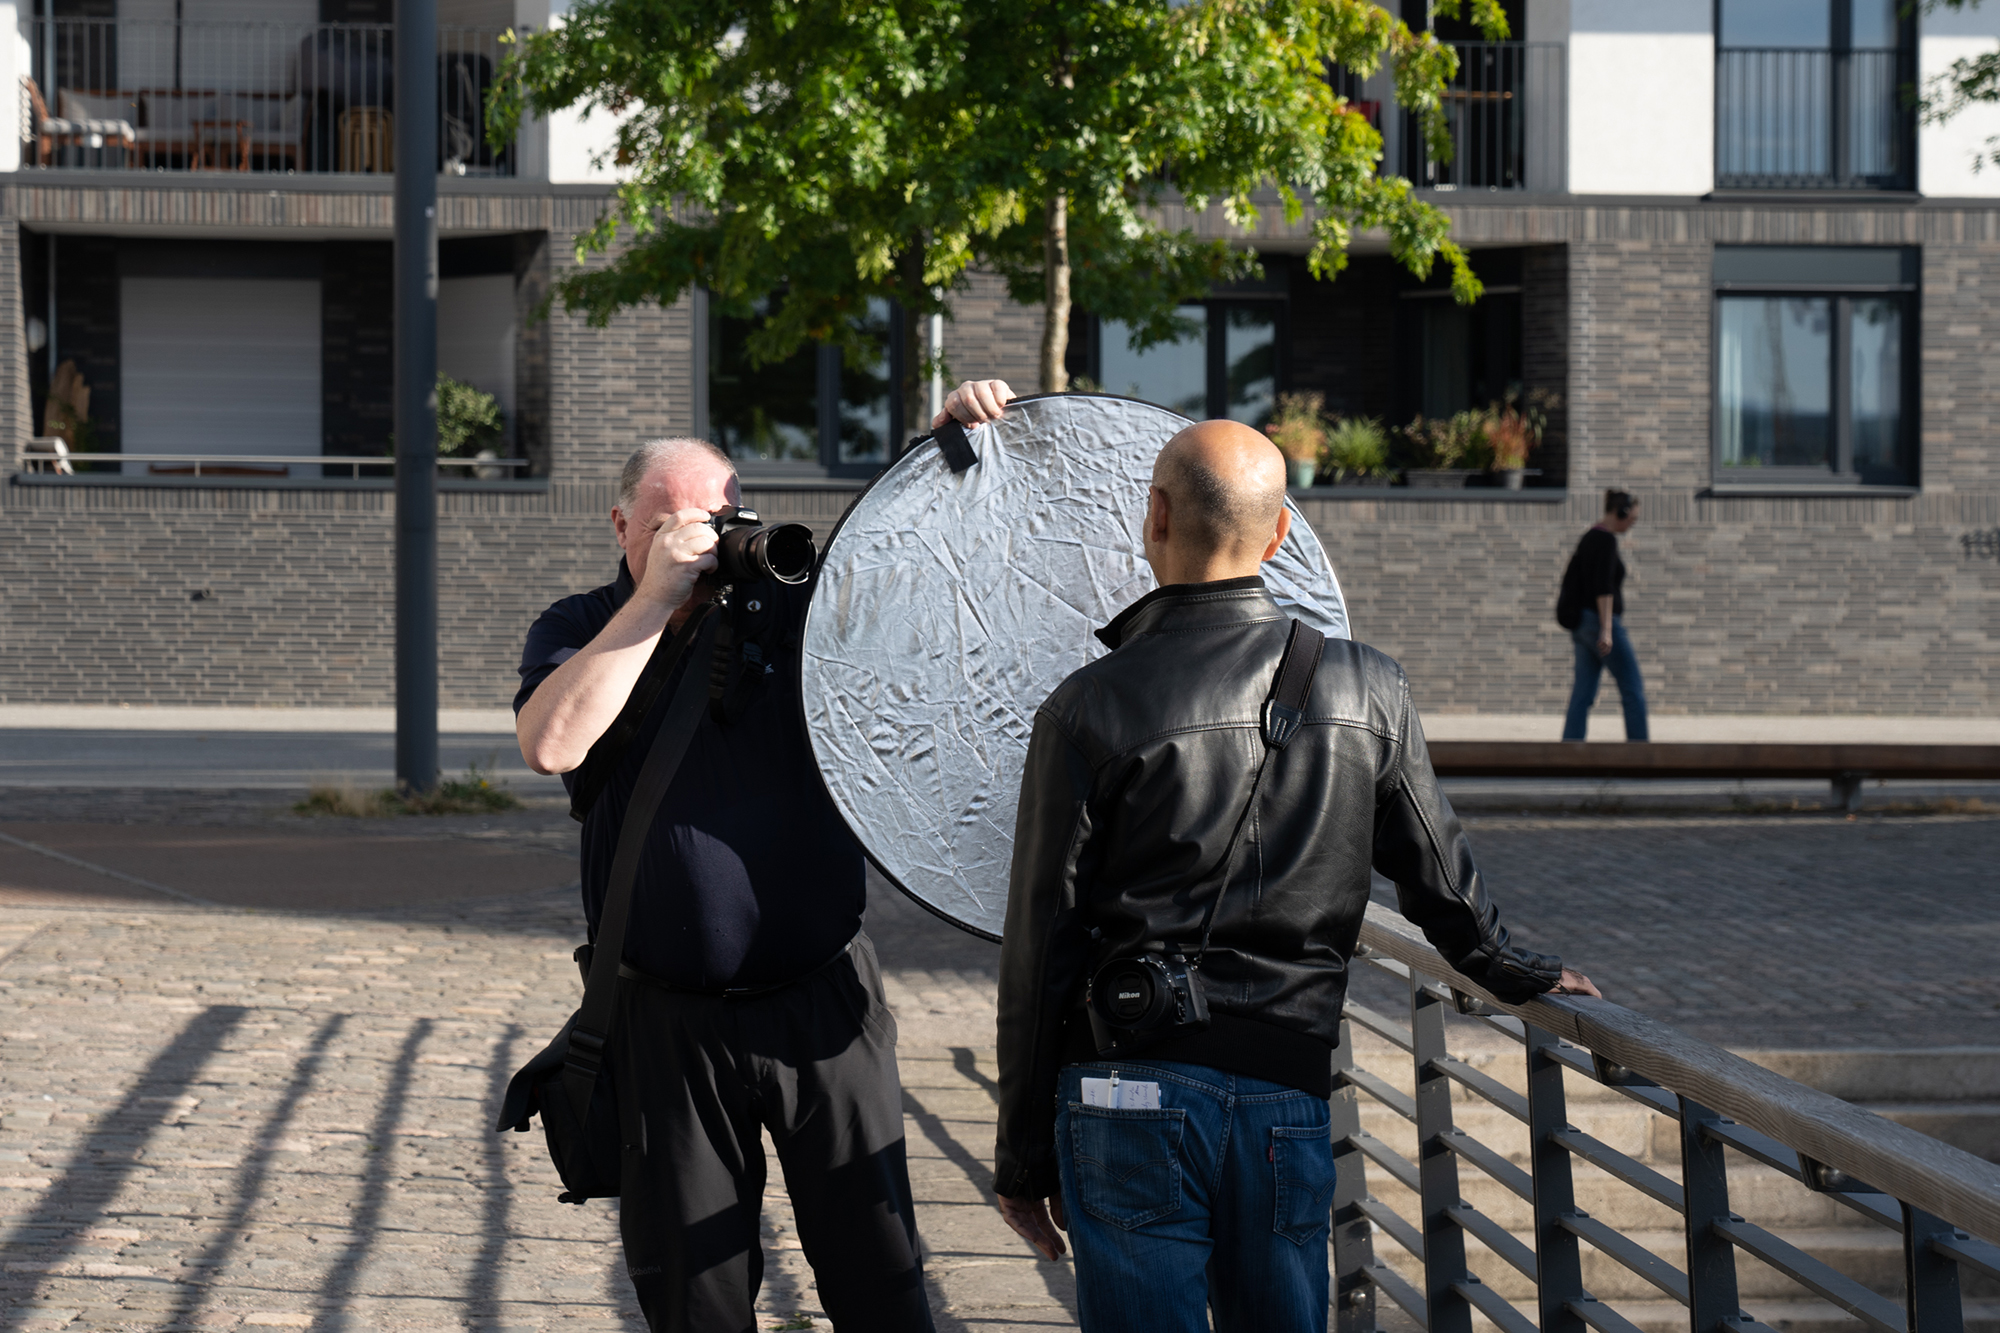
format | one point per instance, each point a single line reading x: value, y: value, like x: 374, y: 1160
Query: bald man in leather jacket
x: 1194, y: 1170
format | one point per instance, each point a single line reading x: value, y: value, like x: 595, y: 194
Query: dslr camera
x: 748, y: 549
x: 1142, y: 997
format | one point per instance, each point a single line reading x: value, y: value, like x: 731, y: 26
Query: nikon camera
x: 1135, y: 1000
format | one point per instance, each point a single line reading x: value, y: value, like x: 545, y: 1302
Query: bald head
x: 1226, y: 485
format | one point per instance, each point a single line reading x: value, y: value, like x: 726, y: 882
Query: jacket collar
x: 1187, y: 604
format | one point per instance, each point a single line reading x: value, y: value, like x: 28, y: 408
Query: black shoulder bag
x: 571, y: 1083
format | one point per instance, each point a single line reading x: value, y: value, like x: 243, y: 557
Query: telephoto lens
x: 750, y: 549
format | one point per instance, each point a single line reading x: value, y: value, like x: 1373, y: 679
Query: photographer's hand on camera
x: 681, y: 550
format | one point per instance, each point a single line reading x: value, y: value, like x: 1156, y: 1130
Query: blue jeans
x: 1220, y: 1198
x: 1624, y: 664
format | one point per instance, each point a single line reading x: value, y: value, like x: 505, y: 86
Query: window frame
x: 826, y: 392
x: 1840, y: 150
x: 1215, y: 351
x: 1841, y: 475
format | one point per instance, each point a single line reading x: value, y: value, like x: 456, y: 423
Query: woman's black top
x: 1594, y: 571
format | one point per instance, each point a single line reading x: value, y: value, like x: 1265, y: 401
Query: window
x: 1225, y: 365
x: 814, y: 413
x: 1815, y: 362
x: 1810, y: 93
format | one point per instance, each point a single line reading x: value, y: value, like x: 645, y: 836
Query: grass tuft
x: 474, y: 794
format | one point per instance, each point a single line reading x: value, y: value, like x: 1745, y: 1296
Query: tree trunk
x: 1055, y: 301
x: 916, y: 385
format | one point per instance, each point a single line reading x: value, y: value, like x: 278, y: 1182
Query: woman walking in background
x: 1591, y: 607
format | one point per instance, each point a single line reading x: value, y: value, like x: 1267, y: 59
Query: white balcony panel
x: 219, y: 366
x: 1642, y: 97
x: 476, y: 335
x: 1946, y: 153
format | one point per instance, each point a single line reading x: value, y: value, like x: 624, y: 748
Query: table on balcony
x: 209, y: 135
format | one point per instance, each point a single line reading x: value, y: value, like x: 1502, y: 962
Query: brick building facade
x: 1800, y: 595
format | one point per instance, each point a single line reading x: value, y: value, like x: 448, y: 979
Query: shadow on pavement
x: 99, y: 1168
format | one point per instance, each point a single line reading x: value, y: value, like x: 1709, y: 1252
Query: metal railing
x: 156, y: 95
x: 1509, y: 121
x: 53, y: 456
x: 1812, y: 119
x: 1715, y: 1106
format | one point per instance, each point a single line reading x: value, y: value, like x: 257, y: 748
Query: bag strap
x: 592, y: 1026
x: 1284, y: 714
x: 609, y: 749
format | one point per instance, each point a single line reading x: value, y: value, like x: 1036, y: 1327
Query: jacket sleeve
x: 1421, y: 849
x: 1043, y: 956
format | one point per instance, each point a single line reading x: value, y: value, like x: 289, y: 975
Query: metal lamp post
x: 416, y: 395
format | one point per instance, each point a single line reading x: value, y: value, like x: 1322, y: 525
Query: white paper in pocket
x: 1118, y: 1095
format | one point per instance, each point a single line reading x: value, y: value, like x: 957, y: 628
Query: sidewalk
x: 220, y: 1117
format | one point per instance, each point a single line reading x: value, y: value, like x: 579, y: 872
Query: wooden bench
x: 1845, y: 766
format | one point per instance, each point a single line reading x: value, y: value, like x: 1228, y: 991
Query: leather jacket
x: 1138, y: 769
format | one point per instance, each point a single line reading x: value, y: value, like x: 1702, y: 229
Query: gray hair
x: 664, y: 453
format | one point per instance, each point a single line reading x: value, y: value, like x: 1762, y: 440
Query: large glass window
x: 1225, y: 365
x: 1813, y: 373
x: 815, y: 411
x: 768, y: 412
x: 1810, y: 93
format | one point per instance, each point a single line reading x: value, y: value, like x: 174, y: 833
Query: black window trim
x: 1215, y: 365
x: 790, y: 472
x: 1839, y: 180
x: 1842, y: 479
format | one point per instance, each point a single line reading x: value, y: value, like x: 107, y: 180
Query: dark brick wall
x: 1342, y: 341
x: 357, y: 346
x: 1545, y: 340
x: 1823, y: 605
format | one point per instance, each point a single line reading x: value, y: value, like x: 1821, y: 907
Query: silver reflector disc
x: 949, y: 605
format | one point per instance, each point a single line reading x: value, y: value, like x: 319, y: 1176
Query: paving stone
x: 221, y: 1118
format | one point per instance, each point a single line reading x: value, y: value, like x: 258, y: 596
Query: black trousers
x: 699, y: 1078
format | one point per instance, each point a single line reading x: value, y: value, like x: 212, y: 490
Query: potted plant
x: 1357, y: 451
x: 1298, y: 428
x: 1439, y: 450
x: 469, y: 424
x: 1513, y: 431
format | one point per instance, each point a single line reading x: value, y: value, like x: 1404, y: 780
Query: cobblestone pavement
x: 215, y: 1118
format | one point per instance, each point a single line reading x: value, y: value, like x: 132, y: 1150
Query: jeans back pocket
x: 1302, y: 1160
x: 1128, y: 1163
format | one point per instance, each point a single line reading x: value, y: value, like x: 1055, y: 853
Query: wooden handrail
x: 1673, y: 759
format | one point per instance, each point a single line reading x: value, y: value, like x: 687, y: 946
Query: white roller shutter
x: 219, y: 366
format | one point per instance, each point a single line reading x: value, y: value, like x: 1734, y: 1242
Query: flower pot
x: 1509, y: 478
x: 1299, y: 472
x: 1437, y: 478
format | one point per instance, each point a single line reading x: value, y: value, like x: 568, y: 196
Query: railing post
x: 1930, y: 1279
x: 1437, y: 1166
x: 1353, y: 1251
x: 1558, y: 1265
x: 1711, y: 1259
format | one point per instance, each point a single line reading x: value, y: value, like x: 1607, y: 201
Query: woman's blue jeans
x: 1624, y: 664
x: 1220, y: 1198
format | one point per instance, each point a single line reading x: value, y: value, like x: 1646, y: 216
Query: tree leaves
x: 834, y: 151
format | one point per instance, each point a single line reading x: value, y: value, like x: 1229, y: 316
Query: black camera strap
x: 1284, y: 713
x: 592, y: 1025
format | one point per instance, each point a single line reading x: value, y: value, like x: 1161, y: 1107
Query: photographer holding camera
x: 1199, y: 815
x: 747, y: 996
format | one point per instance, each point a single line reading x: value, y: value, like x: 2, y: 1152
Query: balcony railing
x: 1509, y: 119
x: 1492, y: 1225
x: 1812, y: 119
x: 146, y: 95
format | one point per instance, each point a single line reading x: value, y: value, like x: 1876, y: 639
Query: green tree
x: 823, y: 153
x: 1970, y: 80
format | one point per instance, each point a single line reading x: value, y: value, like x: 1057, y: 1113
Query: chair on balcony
x: 88, y: 121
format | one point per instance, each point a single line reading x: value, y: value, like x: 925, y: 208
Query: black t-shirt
x: 1595, y: 571
x: 749, y: 876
